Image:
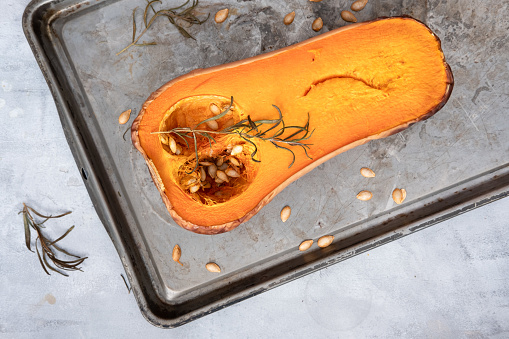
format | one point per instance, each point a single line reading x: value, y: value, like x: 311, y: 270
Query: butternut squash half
x: 354, y: 84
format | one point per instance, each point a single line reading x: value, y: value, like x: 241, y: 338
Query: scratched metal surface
x: 461, y: 146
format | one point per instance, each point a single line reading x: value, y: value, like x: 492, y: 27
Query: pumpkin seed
x: 221, y: 15
x: 367, y: 172
x: 219, y: 181
x: 289, y: 18
x: 237, y: 149
x: 164, y: 138
x: 212, y: 125
x: 179, y: 150
x: 364, y: 195
x: 177, y: 252
x: 305, y: 245
x: 219, y: 194
x: 194, y: 188
x: 124, y: 117
x: 203, y: 175
x: 399, y: 195
x: 348, y: 16
x: 221, y: 175
x: 229, y: 123
x: 205, y: 163
x: 223, y: 166
x: 325, y: 241
x: 317, y: 24
x: 219, y: 161
x: 188, y: 180
x: 235, y: 162
x: 214, y: 109
x: 232, y: 173
x: 212, y: 169
x: 213, y: 267
x: 285, y: 213
x: 358, y: 5
x: 172, y: 144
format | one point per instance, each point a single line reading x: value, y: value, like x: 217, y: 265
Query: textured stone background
x: 448, y: 281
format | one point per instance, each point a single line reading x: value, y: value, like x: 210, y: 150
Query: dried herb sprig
x: 175, y: 17
x: 48, y: 247
x: 249, y: 129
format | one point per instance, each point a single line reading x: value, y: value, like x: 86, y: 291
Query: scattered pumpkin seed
x: 285, y: 213
x: 205, y: 163
x: 212, y: 169
x: 177, y: 252
x: 212, y: 125
x: 367, y: 172
x: 223, y: 166
x: 399, y: 195
x: 305, y: 245
x: 237, y: 149
x: 188, y: 180
x: 222, y: 176
x: 219, y: 161
x: 289, y: 18
x: 358, y: 5
x: 317, y: 24
x: 348, y: 16
x: 221, y: 15
x: 213, y: 267
x: 364, y: 195
x: 124, y: 117
x: 232, y: 173
x: 325, y: 241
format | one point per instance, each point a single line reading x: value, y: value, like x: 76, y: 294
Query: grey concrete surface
x: 448, y: 281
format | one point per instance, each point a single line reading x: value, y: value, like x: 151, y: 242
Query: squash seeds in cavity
x: 367, y: 172
x: 219, y: 161
x: 234, y: 162
x: 212, y: 169
x: 232, y: 173
x: 221, y: 15
x: 177, y: 252
x: 194, y: 188
x: 289, y: 18
x: 212, y: 125
x: 222, y: 176
x: 214, y: 109
x: 205, y: 163
x: 305, y: 245
x: 203, y: 175
x: 399, y: 195
x: 325, y: 241
x: 348, y: 16
x: 364, y: 195
x: 358, y: 5
x: 285, y: 213
x: 317, y: 24
x: 172, y: 144
x: 213, y: 267
x: 237, y: 149
x: 124, y: 117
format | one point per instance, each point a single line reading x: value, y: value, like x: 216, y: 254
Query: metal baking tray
x: 449, y: 164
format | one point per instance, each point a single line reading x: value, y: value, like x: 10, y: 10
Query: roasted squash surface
x: 357, y: 83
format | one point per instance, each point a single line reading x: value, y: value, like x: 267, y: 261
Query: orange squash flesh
x: 361, y: 82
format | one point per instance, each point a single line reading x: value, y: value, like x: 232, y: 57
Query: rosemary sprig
x: 248, y: 130
x: 48, y: 248
x: 175, y: 17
